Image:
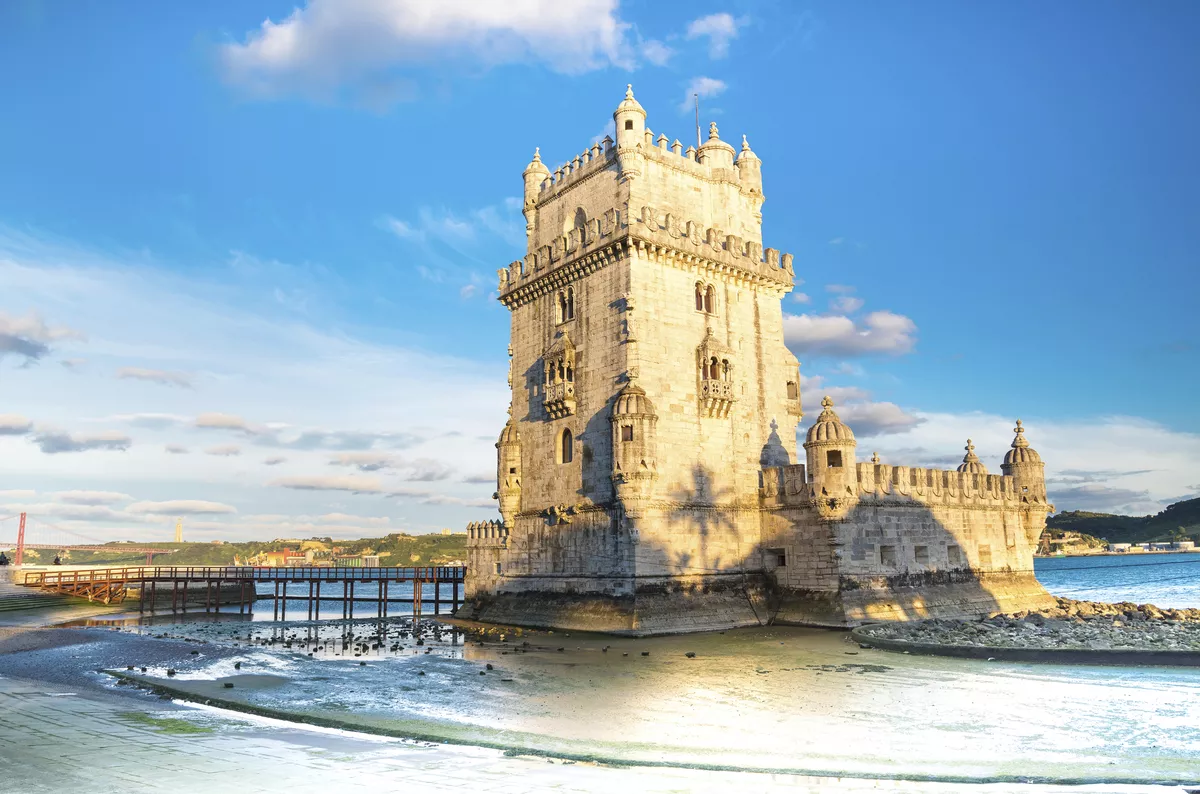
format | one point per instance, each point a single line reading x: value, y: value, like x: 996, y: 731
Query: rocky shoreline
x: 1070, y: 625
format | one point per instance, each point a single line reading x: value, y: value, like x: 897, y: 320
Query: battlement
x: 685, y: 243
x: 487, y: 533
x: 786, y: 486
x: 595, y: 158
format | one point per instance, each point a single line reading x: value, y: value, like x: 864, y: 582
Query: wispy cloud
x: 30, y: 337
x: 881, y: 333
x: 719, y: 29
x: 224, y: 450
x: 180, y: 507
x: 704, y: 87
x: 13, y: 425
x: 656, y: 52
x: 165, y: 377
x: 846, y: 304
x: 53, y: 442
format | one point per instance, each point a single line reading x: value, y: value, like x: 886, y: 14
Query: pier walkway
x: 154, y: 586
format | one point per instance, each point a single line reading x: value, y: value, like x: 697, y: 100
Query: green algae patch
x: 169, y: 725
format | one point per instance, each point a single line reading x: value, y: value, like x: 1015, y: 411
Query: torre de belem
x: 648, y: 477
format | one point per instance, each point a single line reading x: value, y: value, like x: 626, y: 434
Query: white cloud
x: 720, y: 29
x: 274, y: 461
x: 846, y: 304
x: 350, y: 482
x: 363, y: 47
x: 467, y: 291
x: 224, y: 450
x: 882, y: 332
x: 841, y: 289
x: 13, y: 425
x: 274, y: 382
x: 343, y: 518
x: 656, y: 52
x: 53, y: 442
x: 800, y: 297
x: 180, y: 379
x: 29, y: 336
x: 91, y: 497
x: 180, y: 507
x: 868, y: 419
x: 705, y: 87
x: 365, y: 461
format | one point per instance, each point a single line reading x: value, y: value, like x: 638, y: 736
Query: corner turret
x: 508, y: 472
x: 715, y: 153
x: 635, y: 465
x: 630, y: 120
x: 535, y: 174
x: 1025, y: 464
x: 829, y: 448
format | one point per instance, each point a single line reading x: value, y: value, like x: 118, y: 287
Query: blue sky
x: 295, y: 226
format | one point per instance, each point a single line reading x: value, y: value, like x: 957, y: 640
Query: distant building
x: 1184, y: 545
x: 1120, y: 547
x: 357, y: 561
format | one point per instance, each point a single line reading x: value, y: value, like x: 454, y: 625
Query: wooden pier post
x: 437, y: 593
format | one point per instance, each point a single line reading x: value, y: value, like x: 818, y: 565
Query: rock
x: 171, y: 673
x: 237, y: 665
x: 228, y: 685
x: 645, y: 653
x: 489, y: 666
x: 690, y: 655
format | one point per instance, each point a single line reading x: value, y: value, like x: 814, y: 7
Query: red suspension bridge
x: 51, y: 537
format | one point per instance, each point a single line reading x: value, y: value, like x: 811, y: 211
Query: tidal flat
x: 780, y: 699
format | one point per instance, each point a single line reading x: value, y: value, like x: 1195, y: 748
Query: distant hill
x: 396, y: 550
x: 1133, y: 529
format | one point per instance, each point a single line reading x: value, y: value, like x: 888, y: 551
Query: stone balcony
x: 716, y: 397
x: 560, y: 399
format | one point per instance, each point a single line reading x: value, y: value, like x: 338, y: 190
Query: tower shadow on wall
x: 701, y: 509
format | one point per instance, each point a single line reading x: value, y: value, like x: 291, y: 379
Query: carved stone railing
x: 716, y: 397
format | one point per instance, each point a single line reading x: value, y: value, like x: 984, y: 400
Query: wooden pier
x: 238, y: 585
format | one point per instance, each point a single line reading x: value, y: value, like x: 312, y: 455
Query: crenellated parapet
x: 655, y: 234
x: 786, y: 486
x: 487, y: 533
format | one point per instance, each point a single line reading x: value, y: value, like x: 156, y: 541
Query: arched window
x: 710, y: 299
x: 714, y: 369
x: 724, y: 369
x: 580, y: 219
x: 570, y: 375
x: 792, y: 392
x: 560, y: 309
x: 570, y: 304
x: 566, y: 446
x: 699, y: 297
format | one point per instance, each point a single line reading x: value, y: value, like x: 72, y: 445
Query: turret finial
x: 969, y: 447
x: 537, y: 154
x: 712, y: 131
x: 629, y: 91
x: 1020, y: 440
x: 875, y: 458
x: 826, y: 402
x: 745, y: 144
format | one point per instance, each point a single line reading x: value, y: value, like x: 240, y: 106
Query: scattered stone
x: 489, y: 666
x: 645, y: 653
x: 228, y: 685
x: 690, y: 655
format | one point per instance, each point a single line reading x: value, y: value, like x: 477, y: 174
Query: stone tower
x: 647, y: 479
x: 650, y: 380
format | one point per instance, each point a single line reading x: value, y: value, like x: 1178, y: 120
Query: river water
x: 772, y: 698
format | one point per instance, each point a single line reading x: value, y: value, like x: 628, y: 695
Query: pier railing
x: 235, y: 584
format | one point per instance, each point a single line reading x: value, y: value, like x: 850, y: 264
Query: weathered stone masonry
x: 648, y: 478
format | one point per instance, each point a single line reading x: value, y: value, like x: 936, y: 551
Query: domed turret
x: 829, y: 427
x: 829, y: 448
x: 1021, y: 452
x: 508, y: 471
x: 971, y: 463
x: 535, y: 173
x: 630, y: 118
x: 715, y: 153
x: 635, y: 465
x: 1024, y: 464
x: 749, y: 169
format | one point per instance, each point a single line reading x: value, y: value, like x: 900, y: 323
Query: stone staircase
x: 14, y: 597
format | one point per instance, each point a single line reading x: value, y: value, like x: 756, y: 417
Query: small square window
x: 512, y: 469
x: 627, y: 432
x: 921, y: 554
x: 778, y: 557
x: 833, y: 458
x: 628, y: 124
x: 887, y: 555
x: 497, y: 568
x: 954, y: 555
x: 985, y: 556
